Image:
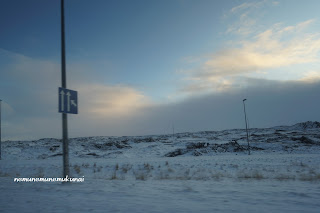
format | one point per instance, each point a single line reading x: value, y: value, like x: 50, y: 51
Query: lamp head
x: 244, y: 99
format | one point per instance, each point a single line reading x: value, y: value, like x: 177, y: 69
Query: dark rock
x: 196, y: 153
x: 111, y: 146
x: 198, y: 145
x: 176, y: 153
x: 58, y: 154
x: 304, y: 139
x: 54, y: 148
x: 92, y: 154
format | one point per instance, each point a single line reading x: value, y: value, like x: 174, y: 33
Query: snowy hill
x: 296, y: 138
x: 307, y: 125
x: 301, y: 126
x: 189, y: 168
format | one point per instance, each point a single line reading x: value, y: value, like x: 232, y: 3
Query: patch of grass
x: 170, y: 170
x: 309, y: 177
x: 163, y: 176
x: 126, y: 167
x: 251, y: 175
x: 301, y: 164
x: 234, y: 166
x: 4, y: 174
x: 114, y: 176
x: 148, y: 167
x: 217, y: 175
x: 283, y: 177
x: 77, y: 169
x: 85, y: 165
x: 140, y: 176
x: 183, y: 178
x: 257, y: 175
x: 187, y: 172
x: 40, y: 173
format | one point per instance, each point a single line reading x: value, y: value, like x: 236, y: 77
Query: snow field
x: 299, y: 167
x: 207, y: 172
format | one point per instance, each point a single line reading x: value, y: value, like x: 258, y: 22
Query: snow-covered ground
x: 185, y: 172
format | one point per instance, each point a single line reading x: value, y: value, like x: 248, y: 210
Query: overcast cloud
x: 121, y: 110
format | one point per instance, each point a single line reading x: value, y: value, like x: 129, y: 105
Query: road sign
x: 68, y: 101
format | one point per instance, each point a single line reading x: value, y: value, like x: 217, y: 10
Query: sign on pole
x: 68, y: 101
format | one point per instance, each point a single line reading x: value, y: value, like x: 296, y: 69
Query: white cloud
x: 111, y: 100
x: 248, y: 5
x: 246, y: 17
x: 311, y: 77
x: 244, y: 25
x: 274, y: 48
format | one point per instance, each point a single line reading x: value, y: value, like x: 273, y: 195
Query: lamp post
x: 245, y: 117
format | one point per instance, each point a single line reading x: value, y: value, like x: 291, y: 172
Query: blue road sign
x: 68, y: 101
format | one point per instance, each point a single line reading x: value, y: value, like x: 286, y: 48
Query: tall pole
x: 245, y: 116
x: 173, y: 139
x: 64, y: 85
x: 0, y: 128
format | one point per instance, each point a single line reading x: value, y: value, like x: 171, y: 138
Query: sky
x: 143, y: 67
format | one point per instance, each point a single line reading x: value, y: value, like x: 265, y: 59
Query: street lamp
x: 245, y: 116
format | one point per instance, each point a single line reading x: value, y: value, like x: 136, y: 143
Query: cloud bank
x: 31, y: 109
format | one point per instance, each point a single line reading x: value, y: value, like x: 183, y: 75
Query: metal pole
x: 245, y: 116
x: 0, y: 129
x: 64, y: 85
x: 172, y: 132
